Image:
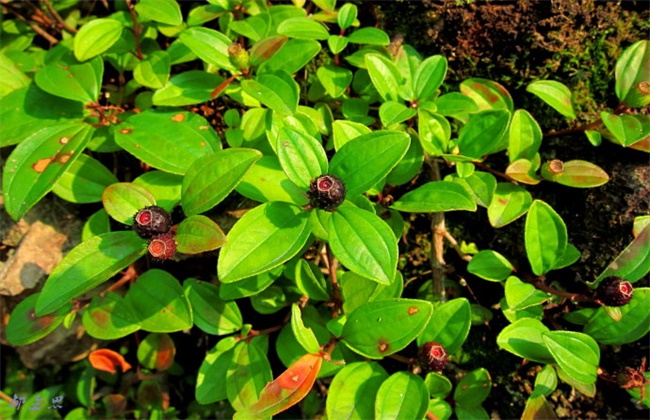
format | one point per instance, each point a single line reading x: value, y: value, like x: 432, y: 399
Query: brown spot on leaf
x: 62, y: 159
x: 64, y: 140
x: 202, y: 144
x: 383, y: 346
x: 42, y: 164
x: 204, y: 127
x: 180, y: 117
x: 413, y: 310
x: 126, y: 131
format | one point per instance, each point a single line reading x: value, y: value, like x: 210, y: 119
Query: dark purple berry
x: 162, y: 247
x: 151, y: 221
x: 326, y: 192
x: 432, y: 357
x: 614, y: 291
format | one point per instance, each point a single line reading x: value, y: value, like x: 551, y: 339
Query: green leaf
x: 524, y: 171
x: 72, y: 80
x: 545, y: 381
x: 449, y: 325
x: 302, y: 156
x: 473, y: 389
x: 394, y: 113
x: 624, y: 129
x: 524, y: 339
x: 409, y: 166
x: 247, y: 375
x: 109, y: 317
x: 197, y: 234
x: 508, y: 204
x: 209, y: 45
x: 334, y: 79
x: 124, y: 199
x: 88, y: 265
x: 370, y: 36
x: 308, y: 278
x: 337, y: 43
x: 556, y: 94
x: 363, y: 243
x: 25, y: 327
x: 353, y: 391
x: 266, y: 181
x: 211, y: 379
x: 164, y: 186
x: 187, y: 88
x: 576, y: 353
x: 303, y: 28
x: 96, y: 224
x: 384, y: 75
x: 483, y: 133
x: 156, y: 351
x: 163, y: 11
x: 167, y: 140
x: 13, y: 77
x: 36, y: 164
x: 429, y: 76
x: 210, y: 313
x: 434, y: 131
x: 263, y: 238
x: 347, y: 15
x: 278, y: 91
x: 402, y: 396
x: 378, y: 329
x: 545, y: 237
x: 343, y: 131
x: 455, y: 105
x: 436, y: 196
x: 212, y: 177
x: 524, y: 136
x: 438, y: 385
x: 490, y: 265
x: 26, y: 110
x: 292, y: 56
x: 96, y: 37
x: 633, y: 75
x: 154, y: 70
x: 358, y: 290
x: 520, y: 295
x: 159, y: 302
x: 633, y: 263
x: 84, y: 181
x: 633, y: 325
x: 363, y: 162
x: 575, y: 173
x: 487, y: 94
x: 304, y: 335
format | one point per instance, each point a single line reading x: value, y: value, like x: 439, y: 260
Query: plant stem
x: 137, y: 29
x: 57, y: 17
x: 438, y: 229
x: 332, y: 264
x: 539, y: 284
x: 620, y: 109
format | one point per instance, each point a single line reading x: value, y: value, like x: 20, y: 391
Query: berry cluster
x: 154, y: 223
x: 326, y: 192
x: 614, y: 291
x: 432, y: 357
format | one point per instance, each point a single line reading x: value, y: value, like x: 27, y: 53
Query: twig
x: 505, y: 176
x: 137, y: 30
x: 620, y: 109
x: 438, y: 229
x: 58, y: 18
x: 454, y: 243
x: 332, y: 265
x: 128, y: 275
x: 35, y: 27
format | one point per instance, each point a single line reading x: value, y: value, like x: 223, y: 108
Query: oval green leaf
x: 402, y: 396
x: 305, y: 336
x: 581, y: 174
x: 576, y: 353
x: 302, y: 156
x: 429, y: 76
x: 520, y: 295
x: 490, y: 265
x: 154, y: 70
x: 363, y: 162
x: 197, y: 234
x: 483, y: 133
x: 266, y: 181
x: 187, y: 88
x: 556, y: 94
x: 69, y: 79
x: 164, y: 186
x: 95, y: 37
x: 363, y: 243
x: 509, y: 203
x: 378, y: 329
x: 394, y: 113
x: 524, y: 136
x: 303, y: 28
x: 383, y: 74
x: 524, y: 339
x: 34, y: 165
x: 473, y: 389
x: 84, y: 181
x: 263, y: 238
x: 110, y: 317
x: 167, y: 140
x: 631, y: 71
x: 247, y: 375
x: 353, y: 391
x: 487, y: 94
x: 209, y: 45
x: 211, y: 379
x: 545, y: 237
x: 163, y: 11
x: 25, y: 327
x: 212, y: 177
x: 449, y: 325
x: 88, y: 265
x: 211, y: 314
x: 334, y: 79
x: 124, y: 199
x: 436, y: 196
x: 159, y: 302
x: 633, y: 325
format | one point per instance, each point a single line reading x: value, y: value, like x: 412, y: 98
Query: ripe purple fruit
x: 326, y: 192
x: 432, y: 356
x: 162, y: 247
x: 151, y: 221
x: 614, y: 291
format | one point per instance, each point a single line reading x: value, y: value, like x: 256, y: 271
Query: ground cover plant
x: 284, y: 215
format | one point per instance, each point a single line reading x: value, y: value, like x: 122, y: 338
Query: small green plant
x: 334, y: 135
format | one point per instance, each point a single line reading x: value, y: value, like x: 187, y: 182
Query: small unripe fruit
x: 614, y: 291
x: 326, y: 192
x: 151, y: 221
x: 162, y: 247
x: 432, y: 357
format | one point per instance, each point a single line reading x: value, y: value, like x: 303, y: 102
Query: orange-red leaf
x: 108, y: 361
x: 289, y: 388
